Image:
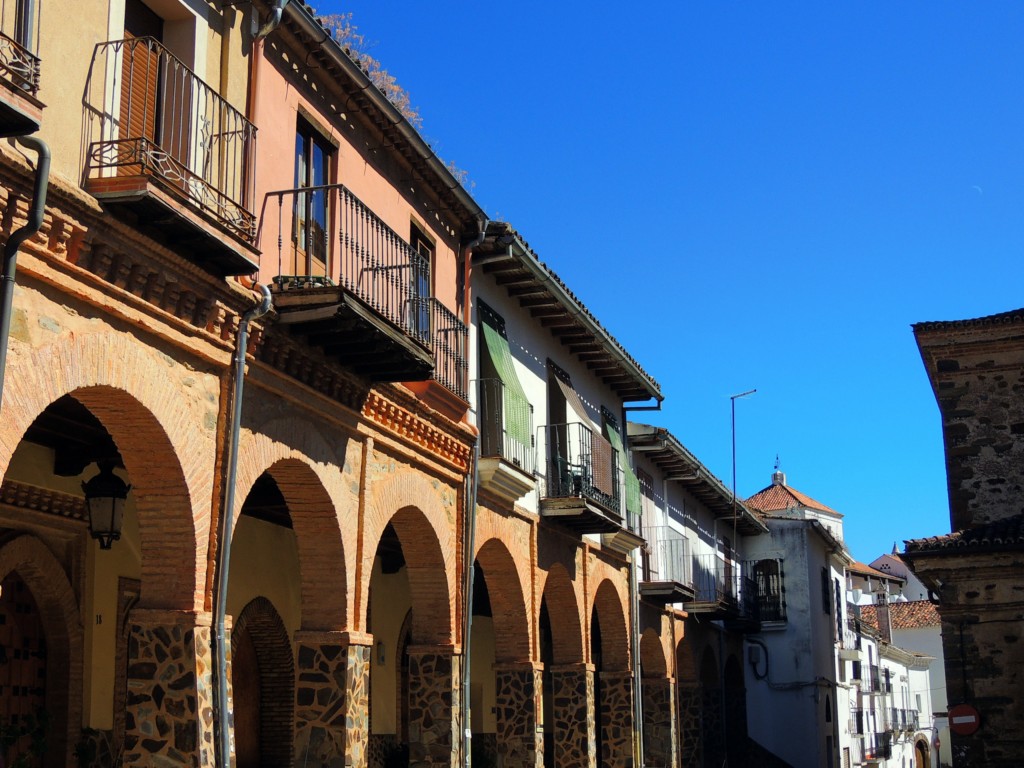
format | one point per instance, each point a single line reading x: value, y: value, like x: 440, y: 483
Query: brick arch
x: 564, y: 612
x: 317, y: 526
x: 686, y: 662
x: 652, y: 655
x: 411, y: 503
x: 608, y: 606
x: 261, y: 621
x: 133, y: 392
x: 508, y: 609
x: 62, y: 623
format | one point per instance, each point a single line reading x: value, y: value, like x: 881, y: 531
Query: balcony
x: 667, y: 566
x: 877, y: 747
x: 507, y: 462
x: 20, y: 109
x: 850, y: 642
x: 581, y: 488
x: 724, y: 590
x: 376, y: 320
x: 166, y: 150
x: 872, y: 682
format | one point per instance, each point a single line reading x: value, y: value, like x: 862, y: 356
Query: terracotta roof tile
x: 1002, y: 318
x: 911, y: 615
x: 867, y: 570
x: 778, y: 497
x: 1002, y: 534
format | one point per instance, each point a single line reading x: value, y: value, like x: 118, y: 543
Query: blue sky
x: 751, y: 195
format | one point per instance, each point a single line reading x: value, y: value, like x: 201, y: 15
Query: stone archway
x: 735, y: 696
x: 922, y: 754
x: 689, y: 702
x: 711, y: 711
x: 62, y: 624
x: 263, y: 687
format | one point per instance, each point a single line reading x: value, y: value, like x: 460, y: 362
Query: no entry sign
x: 964, y: 719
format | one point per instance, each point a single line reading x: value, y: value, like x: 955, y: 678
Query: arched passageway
x: 613, y: 680
x: 658, y: 692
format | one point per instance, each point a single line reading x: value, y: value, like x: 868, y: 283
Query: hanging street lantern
x: 105, y: 495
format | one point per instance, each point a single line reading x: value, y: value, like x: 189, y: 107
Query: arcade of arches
x: 345, y: 582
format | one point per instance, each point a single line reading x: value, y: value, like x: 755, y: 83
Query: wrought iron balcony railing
x: 573, y: 469
x: 878, y: 746
x: 156, y: 118
x: 860, y: 721
x: 495, y: 439
x: 448, y: 336
x: 19, y: 67
x: 667, y: 557
x: 872, y: 679
x: 370, y: 261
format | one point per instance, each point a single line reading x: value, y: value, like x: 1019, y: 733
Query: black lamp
x: 104, y: 497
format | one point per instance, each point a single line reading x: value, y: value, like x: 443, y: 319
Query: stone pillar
x: 332, y: 695
x: 712, y: 725
x: 435, y: 731
x: 572, y: 691
x: 617, y: 718
x: 520, y: 715
x: 659, y: 731
x: 690, y: 753
x: 169, y: 709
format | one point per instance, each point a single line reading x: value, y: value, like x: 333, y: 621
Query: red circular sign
x: 964, y: 719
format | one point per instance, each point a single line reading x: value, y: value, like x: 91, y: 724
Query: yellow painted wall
x: 389, y: 604
x: 483, y: 689
x: 265, y: 563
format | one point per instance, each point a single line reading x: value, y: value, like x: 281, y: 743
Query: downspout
x: 220, y: 649
x: 276, y: 14
x: 634, y: 610
x: 19, y: 236
x: 473, y: 478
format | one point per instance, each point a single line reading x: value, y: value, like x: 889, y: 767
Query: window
x: 311, y: 216
x: 420, y: 285
x: 771, y: 590
x: 614, y: 436
x: 826, y: 591
x: 504, y: 412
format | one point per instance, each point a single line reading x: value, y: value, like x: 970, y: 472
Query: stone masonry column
x: 169, y: 706
x: 435, y: 731
x: 574, y: 732
x: 332, y: 694
x: 659, y: 732
x: 690, y: 754
x: 617, y: 719
x: 519, y: 711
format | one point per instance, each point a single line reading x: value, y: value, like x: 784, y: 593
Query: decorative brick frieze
x: 301, y: 363
x: 659, y: 714
x: 332, y: 699
x: 403, y: 423
x: 520, y: 737
x: 169, y: 718
x: 573, y: 726
x: 45, y: 500
x: 616, y: 722
x: 435, y: 683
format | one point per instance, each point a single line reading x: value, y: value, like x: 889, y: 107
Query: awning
x: 600, y: 449
x: 516, y: 406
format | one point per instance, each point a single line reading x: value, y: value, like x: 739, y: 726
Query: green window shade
x: 516, y: 406
x: 632, y: 481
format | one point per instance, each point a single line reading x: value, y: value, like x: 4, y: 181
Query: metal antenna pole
x: 734, y: 398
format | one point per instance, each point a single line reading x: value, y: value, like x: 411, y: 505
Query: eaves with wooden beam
x: 508, y: 260
x: 350, y: 93
x: 680, y: 466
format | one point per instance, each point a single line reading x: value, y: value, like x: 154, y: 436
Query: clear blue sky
x: 751, y: 195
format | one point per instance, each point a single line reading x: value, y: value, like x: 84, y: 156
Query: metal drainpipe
x: 470, y: 531
x: 634, y: 610
x: 467, y: 727
x: 19, y: 236
x: 276, y: 15
x: 224, y: 547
